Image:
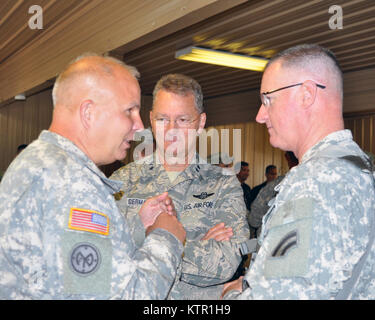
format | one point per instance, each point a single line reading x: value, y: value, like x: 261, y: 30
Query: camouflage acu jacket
x: 203, y: 197
x: 63, y: 237
x: 317, y: 229
x: 260, y: 206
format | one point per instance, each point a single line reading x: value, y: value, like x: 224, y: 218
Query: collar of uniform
x: 77, y: 154
x: 197, y: 169
x: 151, y: 165
x: 329, y: 140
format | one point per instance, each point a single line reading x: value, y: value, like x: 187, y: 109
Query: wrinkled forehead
x: 168, y: 102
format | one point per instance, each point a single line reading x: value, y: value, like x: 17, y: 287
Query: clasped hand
x: 154, y: 206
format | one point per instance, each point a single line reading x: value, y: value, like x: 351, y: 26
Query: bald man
x: 317, y: 237
x: 61, y: 234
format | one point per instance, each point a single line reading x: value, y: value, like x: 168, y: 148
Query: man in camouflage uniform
x: 209, y: 204
x: 61, y: 233
x: 317, y: 237
x: 260, y: 205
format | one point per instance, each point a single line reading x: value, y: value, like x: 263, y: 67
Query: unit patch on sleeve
x: 88, y: 220
x: 85, y: 259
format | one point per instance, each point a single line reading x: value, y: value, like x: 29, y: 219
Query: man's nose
x: 137, y: 123
x: 171, y: 125
x: 262, y: 114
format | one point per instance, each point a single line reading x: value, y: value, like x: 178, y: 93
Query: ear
x: 202, y: 122
x: 86, y: 113
x: 308, y: 93
x: 151, y: 122
x: 151, y: 116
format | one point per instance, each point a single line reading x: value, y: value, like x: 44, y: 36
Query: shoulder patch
x: 85, y: 259
x: 88, y: 220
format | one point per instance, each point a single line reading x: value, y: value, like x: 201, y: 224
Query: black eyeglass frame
x: 264, y: 94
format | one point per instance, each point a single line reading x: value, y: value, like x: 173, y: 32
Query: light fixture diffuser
x: 221, y: 58
x: 20, y: 97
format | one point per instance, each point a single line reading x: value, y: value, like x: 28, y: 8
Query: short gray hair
x: 181, y: 85
x: 104, y: 66
x: 306, y: 57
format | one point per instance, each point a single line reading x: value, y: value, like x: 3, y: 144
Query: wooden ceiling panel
x: 28, y: 58
x: 15, y: 31
x: 261, y: 28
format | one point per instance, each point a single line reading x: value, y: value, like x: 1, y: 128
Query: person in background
x: 20, y: 148
x: 242, y: 176
x: 61, y: 233
x: 209, y: 204
x: 271, y: 174
x: 260, y: 205
x: 317, y: 239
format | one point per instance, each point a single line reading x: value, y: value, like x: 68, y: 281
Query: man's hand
x: 219, y: 233
x: 233, y: 285
x: 171, y: 224
x: 151, y: 209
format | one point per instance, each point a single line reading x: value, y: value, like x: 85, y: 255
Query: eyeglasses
x: 180, y: 122
x: 266, y: 100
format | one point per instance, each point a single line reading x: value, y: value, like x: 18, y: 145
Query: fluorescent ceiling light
x: 222, y: 58
x: 20, y: 96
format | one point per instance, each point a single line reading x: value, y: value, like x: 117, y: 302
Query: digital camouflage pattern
x: 203, y: 197
x: 260, y: 206
x: 46, y: 255
x: 317, y: 229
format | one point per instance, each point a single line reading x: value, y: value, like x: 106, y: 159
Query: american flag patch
x: 88, y: 220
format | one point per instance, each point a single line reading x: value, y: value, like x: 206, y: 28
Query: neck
x: 314, y: 136
x: 176, y: 166
x: 69, y: 132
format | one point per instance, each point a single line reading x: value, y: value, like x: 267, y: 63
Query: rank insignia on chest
x: 88, y: 220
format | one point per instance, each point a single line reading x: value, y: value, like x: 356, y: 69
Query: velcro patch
x: 286, y: 243
x: 88, y: 220
x: 288, y: 239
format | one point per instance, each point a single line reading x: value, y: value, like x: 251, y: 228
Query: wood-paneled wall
x: 256, y: 150
x: 362, y: 126
x: 21, y: 122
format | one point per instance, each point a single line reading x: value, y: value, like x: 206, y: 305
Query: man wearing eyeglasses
x: 317, y: 237
x: 208, y: 203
